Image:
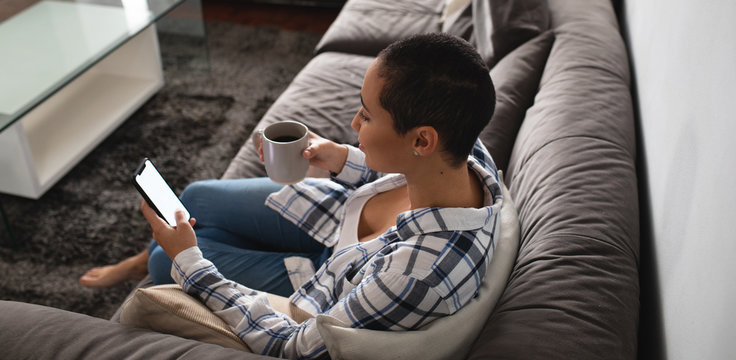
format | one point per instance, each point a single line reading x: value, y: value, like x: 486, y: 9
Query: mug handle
x: 257, y: 138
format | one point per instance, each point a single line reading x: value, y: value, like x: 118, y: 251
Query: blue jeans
x: 246, y: 240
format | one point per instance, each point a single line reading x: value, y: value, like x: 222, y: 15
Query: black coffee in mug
x: 287, y: 138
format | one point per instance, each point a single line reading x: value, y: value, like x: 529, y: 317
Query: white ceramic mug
x: 283, y: 143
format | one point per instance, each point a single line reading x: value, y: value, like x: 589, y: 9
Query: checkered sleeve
x: 390, y: 300
x: 384, y: 300
x: 355, y: 172
x: 248, y: 312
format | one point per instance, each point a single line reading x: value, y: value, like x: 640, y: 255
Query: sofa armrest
x: 31, y: 331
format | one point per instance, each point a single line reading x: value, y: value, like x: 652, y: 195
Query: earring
x: 415, y: 153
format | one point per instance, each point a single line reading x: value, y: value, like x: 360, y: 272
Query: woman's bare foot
x: 132, y: 268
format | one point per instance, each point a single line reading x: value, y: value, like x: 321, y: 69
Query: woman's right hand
x: 325, y: 154
x: 172, y: 239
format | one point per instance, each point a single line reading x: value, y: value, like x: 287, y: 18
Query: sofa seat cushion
x: 325, y: 96
x: 367, y: 26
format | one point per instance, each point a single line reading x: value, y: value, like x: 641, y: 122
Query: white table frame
x: 37, y: 150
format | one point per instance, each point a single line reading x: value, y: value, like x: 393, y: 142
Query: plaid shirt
x: 428, y: 265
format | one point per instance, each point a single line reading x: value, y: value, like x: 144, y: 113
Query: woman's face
x: 385, y: 150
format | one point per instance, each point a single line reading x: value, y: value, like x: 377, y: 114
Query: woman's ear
x: 426, y: 140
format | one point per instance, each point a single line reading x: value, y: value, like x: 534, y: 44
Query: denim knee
x: 193, y: 191
x: 159, y: 266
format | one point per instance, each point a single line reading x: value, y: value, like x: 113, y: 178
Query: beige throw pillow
x: 449, y: 337
x: 167, y: 309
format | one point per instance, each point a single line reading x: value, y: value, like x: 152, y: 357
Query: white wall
x: 684, y: 58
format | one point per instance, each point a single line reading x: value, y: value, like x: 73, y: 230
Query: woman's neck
x: 444, y: 186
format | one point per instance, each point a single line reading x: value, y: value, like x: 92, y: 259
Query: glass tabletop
x: 50, y: 43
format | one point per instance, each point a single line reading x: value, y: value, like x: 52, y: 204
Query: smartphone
x: 157, y: 192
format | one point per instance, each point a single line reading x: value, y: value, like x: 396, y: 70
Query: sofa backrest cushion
x: 574, y: 293
x: 516, y: 79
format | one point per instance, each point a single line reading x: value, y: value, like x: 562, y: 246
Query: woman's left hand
x: 172, y: 239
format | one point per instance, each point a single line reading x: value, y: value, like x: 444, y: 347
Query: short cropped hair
x: 441, y: 81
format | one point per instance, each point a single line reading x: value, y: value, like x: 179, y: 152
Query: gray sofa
x: 564, y: 133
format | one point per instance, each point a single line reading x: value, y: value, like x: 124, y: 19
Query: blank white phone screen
x: 160, y: 193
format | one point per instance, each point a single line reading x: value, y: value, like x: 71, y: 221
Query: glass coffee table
x: 72, y: 72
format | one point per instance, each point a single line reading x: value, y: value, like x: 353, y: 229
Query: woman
x: 400, y: 250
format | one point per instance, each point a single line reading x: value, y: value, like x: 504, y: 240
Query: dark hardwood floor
x: 9, y: 8
x: 288, y: 17
x: 244, y: 12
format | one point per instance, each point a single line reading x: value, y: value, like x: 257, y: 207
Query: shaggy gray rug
x: 191, y: 129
